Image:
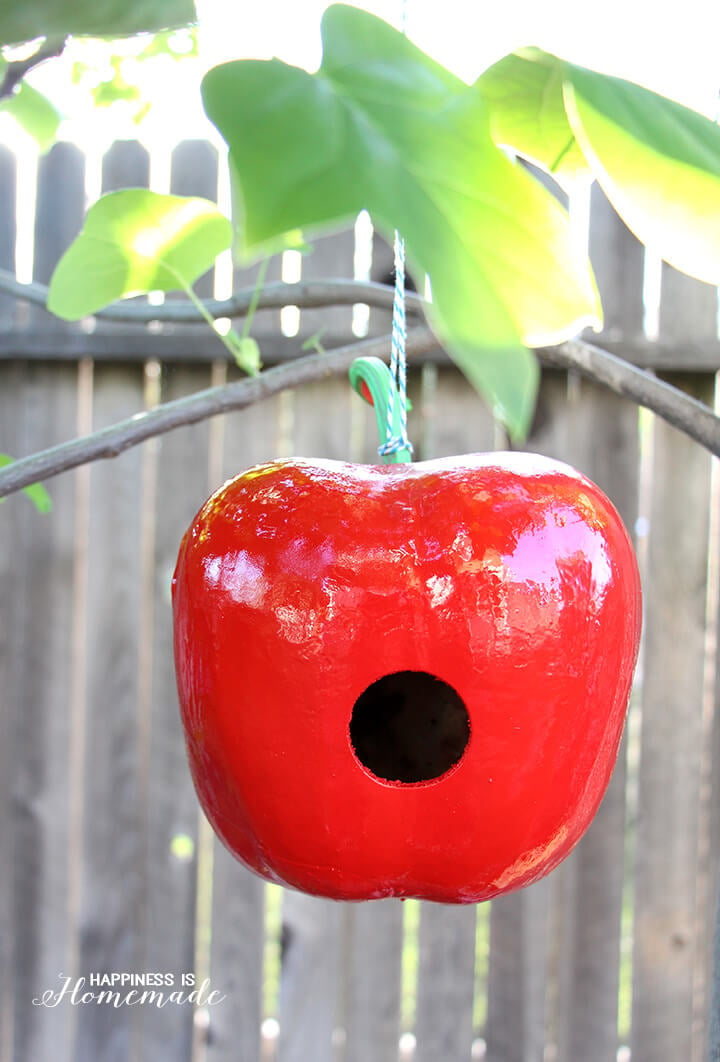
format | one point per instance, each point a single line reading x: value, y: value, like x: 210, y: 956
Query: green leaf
x: 35, y: 113
x: 658, y: 163
x: 383, y: 127
x: 524, y: 93
x: 133, y: 242
x: 90, y: 18
x: 176, y: 44
x: 35, y: 492
x: 245, y: 351
x: 115, y: 88
x: 313, y: 342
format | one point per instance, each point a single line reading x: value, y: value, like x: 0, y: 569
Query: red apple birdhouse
x: 405, y: 680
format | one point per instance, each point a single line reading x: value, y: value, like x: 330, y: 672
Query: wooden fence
x: 107, y: 866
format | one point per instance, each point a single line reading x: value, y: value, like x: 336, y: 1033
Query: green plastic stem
x: 377, y: 380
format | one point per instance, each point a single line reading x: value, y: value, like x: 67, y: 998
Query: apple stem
x: 373, y: 381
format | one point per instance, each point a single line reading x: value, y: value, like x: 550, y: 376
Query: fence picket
x: 372, y: 956
x: 517, y: 977
x: 603, y: 443
x: 237, y: 442
x: 451, y: 417
x: 59, y: 214
x: 232, y: 1031
x: 12, y: 527
x: 519, y: 923
x: 672, y: 734
x: 39, y: 719
x: 618, y: 262
x: 10, y: 309
x: 194, y: 171
x: 671, y: 731
x: 310, y: 990
x: 113, y: 888
x: 331, y: 256
x: 126, y: 164
x: 181, y: 475
x: 382, y: 272
x: 708, y: 998
x: 446, y: 982
x: 311, y: 1000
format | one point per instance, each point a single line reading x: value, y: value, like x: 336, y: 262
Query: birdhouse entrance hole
x: 409, y: 727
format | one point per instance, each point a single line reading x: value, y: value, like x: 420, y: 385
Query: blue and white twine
x: 398, y: 364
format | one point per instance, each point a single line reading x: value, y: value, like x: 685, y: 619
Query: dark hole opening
x: 409, y: 727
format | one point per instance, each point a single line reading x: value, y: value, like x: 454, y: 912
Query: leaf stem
x: 232, y: 343
x: 255, y: 300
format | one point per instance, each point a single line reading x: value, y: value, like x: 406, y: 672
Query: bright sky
x: 657, y: 44
x: 670, y: 48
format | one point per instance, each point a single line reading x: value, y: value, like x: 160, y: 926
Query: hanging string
x: 386, y: 388
x: 395, y: 441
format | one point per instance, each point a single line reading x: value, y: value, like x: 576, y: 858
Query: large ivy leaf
x: 89, y: 18
x: 133, y: 242
x: 658, y: 163
x: 524, y: 93
x: 383, y: 127
x: 35, y: 113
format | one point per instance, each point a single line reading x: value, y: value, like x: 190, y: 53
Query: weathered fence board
x: 113, y: 887
x: 516, y: 984
x: 126, y: 164
x: 665, y: 972
x: 175, y: 487
x: 332, y: 256
x: 311, y: 999
x: 446, y: 980
x: 372, y: 953
x: 618, y: 262
x: 194, y: 171
x: 10, y: 698
x: 237, y: 899
x: 519, y: 927
x: 36, y: 692
x: 456, y: 420
x: 667, y: 836
x: 710, y: 998
x: 8, y: 193
x: 603, y: 443
x: 59, y: 212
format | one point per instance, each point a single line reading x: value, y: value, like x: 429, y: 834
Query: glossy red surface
x: 300, y: 583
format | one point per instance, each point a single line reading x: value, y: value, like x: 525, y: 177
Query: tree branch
x: 113, y: 440
x: 685, y: 413
x: 306, y: 294
x: 15, y: 72
x: 693, y: 418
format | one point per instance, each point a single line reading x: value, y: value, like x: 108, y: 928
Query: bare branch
x: 15, y: 72
x: 113, y: 440
x: 685, y: 413
x: 306, y: 294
